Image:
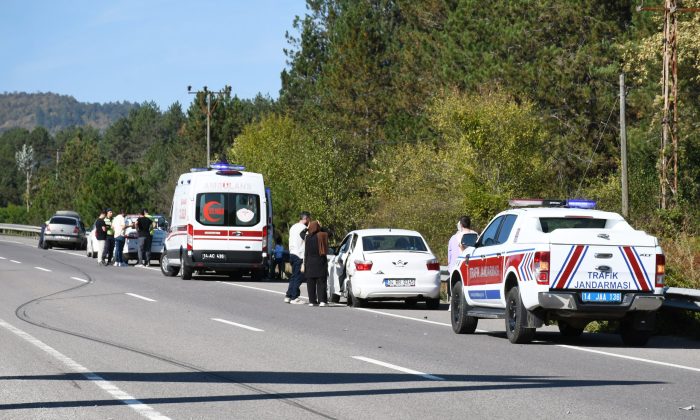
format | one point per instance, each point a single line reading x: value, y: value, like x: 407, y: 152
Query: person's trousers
x: 119, y: 249
x: 100, y: 249
x: 149, y: 239
x: 142, y: 250
x: 318, y: 289
x: 280, y: 267
x: 297, y: 277
x: 109, y: 248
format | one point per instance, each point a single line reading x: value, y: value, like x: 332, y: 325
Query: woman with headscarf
x: 316, y: 264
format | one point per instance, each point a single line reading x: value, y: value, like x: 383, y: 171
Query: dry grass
x: 682, y: 261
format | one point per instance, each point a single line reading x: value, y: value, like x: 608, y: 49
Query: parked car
x: 384, y: 264
x: 64, y: 229
x: 131, y: 244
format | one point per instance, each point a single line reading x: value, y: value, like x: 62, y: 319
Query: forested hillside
x: 409, y: 114
x: 56, y: 112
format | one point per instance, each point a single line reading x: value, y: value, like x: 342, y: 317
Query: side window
x: 245, y: 210
x: 489, y: 236
x: 211, y: 210
x: 354, y: 242
x: 506, y: 227
x: 345, y: 245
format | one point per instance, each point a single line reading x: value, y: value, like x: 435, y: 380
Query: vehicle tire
x: 631, y: 336
x: 516, y: 317
x: 258, y: 274
x: 410, y: 302
x: 568, y: 330
x: 335, y: 298
x: 185, y: 271
x: 166, y: 268
x: 461, y: 322
x: 354, y: 301
x: 432, y: 304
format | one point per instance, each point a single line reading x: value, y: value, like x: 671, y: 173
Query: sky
x: 144, y: 50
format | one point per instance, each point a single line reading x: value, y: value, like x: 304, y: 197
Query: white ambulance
x: 221, y: 222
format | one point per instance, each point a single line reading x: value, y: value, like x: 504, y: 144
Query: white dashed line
x: 79, y: 279
x: 399, y: 368
x: 43, y: 269
x: 140, y: 297
x: 235, y: 324
x: 110, y: 388
x: 3, y: 258
x: 16, y: 262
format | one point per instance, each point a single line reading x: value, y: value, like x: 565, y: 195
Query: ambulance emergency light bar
x: 572, y: 203
x: 220, y: 167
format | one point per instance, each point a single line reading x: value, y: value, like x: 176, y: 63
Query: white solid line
x: 11, y: 242
x: 235, y: 324
x: 3, y: 258
x: 147, y: 268
x: 256, y: 288
x: 140, y: 297
x: 79, y: 279
x: 399, y: 368
x: 105, y: 385
x: 410, y: 318
x: 622, y: 356
x: 43, y: 269
x: 16, y: 262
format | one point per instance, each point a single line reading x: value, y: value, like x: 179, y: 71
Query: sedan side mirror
x: 469, y: 239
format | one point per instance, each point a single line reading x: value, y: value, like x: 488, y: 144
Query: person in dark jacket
x: 316, y: 264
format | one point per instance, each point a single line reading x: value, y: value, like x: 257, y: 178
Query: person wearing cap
x: 100, y: 235
x: 296, y: 258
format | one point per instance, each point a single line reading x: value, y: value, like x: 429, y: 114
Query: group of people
x: 308, y: 247
x: 110, y: 235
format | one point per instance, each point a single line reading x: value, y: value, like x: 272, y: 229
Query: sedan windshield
x: 393, y: 243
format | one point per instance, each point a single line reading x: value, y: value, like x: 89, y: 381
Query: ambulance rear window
x: 549, y: 224
x: 228, y: 209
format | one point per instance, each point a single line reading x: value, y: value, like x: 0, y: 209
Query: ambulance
x: 221, y: 223
x: 559, y: 261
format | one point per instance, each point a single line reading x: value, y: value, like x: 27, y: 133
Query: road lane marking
x: 235, y: 324
x: 399, y: 368
x: 43, y: 269
x: 147, y: 268
x: 141, y: 297
x: 141, y: 408
x: 3, y: 258
x: 16, y: 262
x: 79, y: 279
x: 410, y: 318
x: 257, y: 288
x: 12, y: 242
x: 622, y: 356
x: 69, y: 253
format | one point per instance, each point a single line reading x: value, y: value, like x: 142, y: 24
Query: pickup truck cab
x: 568, y: 264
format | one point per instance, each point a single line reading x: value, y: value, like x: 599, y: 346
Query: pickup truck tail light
x: 541, y: 262
x: 363, y: 265
x: 433, y: 265
x: 190, y: 237
x: 660, y: 270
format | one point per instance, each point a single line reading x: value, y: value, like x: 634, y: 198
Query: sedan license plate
x: 601, y: 297
x: 213, y: 256
x: 399, y: 282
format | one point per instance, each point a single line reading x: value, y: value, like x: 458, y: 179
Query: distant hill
x: 55, y: 112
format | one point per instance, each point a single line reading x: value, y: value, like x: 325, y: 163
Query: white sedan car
x: 384, y: 264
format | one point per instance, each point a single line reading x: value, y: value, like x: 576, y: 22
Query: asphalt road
x: 82, y: 341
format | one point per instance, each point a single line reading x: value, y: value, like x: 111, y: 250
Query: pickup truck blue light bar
x: 580, y: 204
x: 535, y: 202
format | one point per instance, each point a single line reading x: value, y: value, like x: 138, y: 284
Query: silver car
x: 65, y: 229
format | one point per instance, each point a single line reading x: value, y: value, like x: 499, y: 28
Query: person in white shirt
x: 454, y: 247
x: 296, y: 258
x: 118, y: 225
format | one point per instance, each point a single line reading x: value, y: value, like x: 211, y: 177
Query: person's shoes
x: 312, y: 304
x: 297, y: 301
x: 323, y: 304
x: 287, y: 300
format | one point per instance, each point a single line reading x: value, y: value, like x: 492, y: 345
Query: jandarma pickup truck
x: 546, y: 261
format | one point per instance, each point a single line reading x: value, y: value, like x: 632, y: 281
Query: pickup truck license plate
x: 399, y: 282
x: 213, y: 256
x: 601, y: 297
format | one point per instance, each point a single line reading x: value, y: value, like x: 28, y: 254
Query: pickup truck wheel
x: 631, y: 336
x: 461, y: 322
x: 353, y: 300
x: 185, y: 271
x: 166, y: 268
x: 569, y: 331
x: 516, y: 317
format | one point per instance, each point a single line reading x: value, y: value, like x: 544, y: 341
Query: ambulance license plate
x: 601, y: 297
x: 399, y: 282
x: 213, y: 256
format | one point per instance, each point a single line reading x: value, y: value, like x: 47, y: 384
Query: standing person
x: 316, y: 264
x: 143, y: 228
x: 108, y: 252
x: 279, y: 257
x: 149, y: 240
x: 100, y: 235
x: 296, y: 258
x: 454, y: 247
x: 119, y: 224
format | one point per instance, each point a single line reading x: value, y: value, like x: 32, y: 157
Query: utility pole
x: 623, y: 148
x: 668, y: 159
x: 207, y: 95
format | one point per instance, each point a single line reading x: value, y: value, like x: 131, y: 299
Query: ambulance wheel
x: 185, y: 271
x: 568, y: 330
x: 166, y: 268
x: 354, y: 301
x: 516, y: 319
x: 632, y: 336
x: 461, y: 322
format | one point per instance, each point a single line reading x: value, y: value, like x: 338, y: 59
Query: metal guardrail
x: 8, y: 227
x: 680, y: 298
